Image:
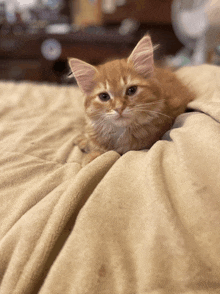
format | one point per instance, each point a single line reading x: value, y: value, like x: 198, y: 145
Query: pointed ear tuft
x: 142, y: 57
x: 84, y: 74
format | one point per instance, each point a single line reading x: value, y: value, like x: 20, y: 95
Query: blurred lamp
x: 190, y: 23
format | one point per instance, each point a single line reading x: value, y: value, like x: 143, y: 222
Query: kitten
x: 129, y: 103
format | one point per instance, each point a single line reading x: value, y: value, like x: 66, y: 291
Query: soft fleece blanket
x: 145, y: 222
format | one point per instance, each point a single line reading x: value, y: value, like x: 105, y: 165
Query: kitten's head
x: 122, y: 91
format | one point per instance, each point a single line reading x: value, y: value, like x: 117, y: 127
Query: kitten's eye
x: 131, y: 91
x: 104, y: 96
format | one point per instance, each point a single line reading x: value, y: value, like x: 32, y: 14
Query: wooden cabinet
x: 21, y: 57
x: 20, y: 69
x: 144, y: 11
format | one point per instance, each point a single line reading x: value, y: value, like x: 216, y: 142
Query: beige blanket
x: 146, y: 222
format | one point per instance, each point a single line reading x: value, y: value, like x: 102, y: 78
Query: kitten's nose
x: 119, y: 110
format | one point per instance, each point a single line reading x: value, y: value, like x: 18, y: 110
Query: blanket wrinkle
x: 144, y: 222
x: 45, y: 217
x: 39, y: 179
x: 193, y: 175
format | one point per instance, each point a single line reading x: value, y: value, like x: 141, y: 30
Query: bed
x: 144, y: 222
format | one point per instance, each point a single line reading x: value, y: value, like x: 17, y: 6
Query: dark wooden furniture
x: 146, y: 12
x: 21, y: 56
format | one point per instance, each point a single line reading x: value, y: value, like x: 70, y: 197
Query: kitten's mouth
x: 122, y: 120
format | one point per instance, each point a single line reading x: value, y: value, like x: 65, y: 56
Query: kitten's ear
x: 84, y: 74
x: 142, y: 57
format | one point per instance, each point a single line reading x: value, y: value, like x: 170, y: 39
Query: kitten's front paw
x: 90, y: 157
x: 82, y: 143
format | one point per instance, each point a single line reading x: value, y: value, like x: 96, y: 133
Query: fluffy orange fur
x: 129, y: 103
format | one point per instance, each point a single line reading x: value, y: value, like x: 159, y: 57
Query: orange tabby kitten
x: 129, y: 103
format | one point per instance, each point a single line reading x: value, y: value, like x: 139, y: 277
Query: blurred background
x: 38, y: 36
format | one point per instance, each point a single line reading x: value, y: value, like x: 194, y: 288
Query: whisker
x: 97, y: 116
x: 98, y: 119
x: 159, y: 113
x: 98, y: 126
x: 149, y: 103
x: 145, y: 106
x: 110, y: 114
